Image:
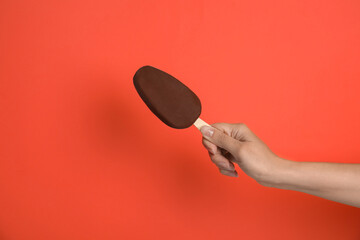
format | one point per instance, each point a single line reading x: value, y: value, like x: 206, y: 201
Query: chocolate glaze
x: 168, y: 98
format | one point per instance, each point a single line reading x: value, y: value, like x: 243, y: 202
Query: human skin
x: 236, y: 143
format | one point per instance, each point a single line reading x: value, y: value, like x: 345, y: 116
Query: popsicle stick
x: 199, y: 123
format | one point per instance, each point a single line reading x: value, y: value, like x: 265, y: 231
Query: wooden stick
x: 199, y: 123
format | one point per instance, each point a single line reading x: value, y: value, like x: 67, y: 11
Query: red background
x: 83, y: 158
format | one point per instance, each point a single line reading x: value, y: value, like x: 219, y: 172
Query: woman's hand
x: 236, y: 143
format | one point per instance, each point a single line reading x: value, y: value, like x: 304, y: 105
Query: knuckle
x: 224, y: 165
x: 241, y: 150
x: 229, y: 166
x: 205, y: 142
x: 245, y: 149
x: 220, y: 164
x: 217, y: 136
x: 217, y: 124
x: 220, y: 136
x: 242, y: 126
x: 213, y: 158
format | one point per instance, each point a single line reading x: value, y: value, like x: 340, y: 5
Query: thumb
x: 220, y: 139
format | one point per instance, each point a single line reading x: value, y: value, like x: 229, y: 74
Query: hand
x: 236, y: 143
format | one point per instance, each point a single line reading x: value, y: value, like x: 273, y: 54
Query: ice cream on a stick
x: 168, y: 98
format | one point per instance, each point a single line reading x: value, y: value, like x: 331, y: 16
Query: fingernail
x: 231, y: 167
x: 207, y: 131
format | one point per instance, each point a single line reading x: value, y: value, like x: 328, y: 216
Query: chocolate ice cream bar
x: 168, y: 98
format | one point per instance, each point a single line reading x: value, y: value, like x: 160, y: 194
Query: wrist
x: 278, y: 174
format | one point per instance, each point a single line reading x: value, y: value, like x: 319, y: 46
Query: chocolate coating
x: 168, y: 98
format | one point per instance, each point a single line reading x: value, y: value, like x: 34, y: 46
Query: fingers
x: 225, y: 166
x: 224, y: 141
x: 229, y: 173
x: 212, y: 148
x: 221, y: 139
x: 221, y: 162
x: 238, y: 131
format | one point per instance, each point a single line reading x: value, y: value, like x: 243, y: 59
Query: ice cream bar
x: 168, y: 98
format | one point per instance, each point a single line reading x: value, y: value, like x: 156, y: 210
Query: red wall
x: 81, y: 157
